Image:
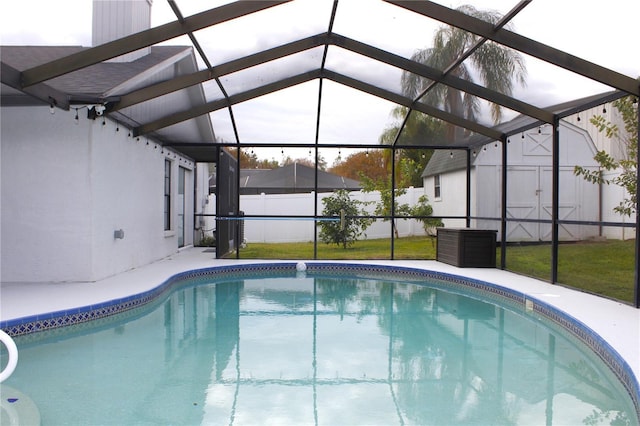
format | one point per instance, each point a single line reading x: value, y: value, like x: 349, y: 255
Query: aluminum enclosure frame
x: 35, y: 82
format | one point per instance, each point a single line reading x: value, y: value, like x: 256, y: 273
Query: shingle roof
x: 294, y: 178
x: 445, y: 161
x: 94, y: 80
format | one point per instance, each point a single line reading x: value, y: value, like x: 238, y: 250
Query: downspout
x: 468, y: 208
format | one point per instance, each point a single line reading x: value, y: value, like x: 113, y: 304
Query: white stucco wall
x: 45, y: 197
x: 67, y: 187
x: 453, y: 197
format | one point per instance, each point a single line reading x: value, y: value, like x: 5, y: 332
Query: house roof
x: 294, y: 177
x: 104, y: 82
x: 95, y: 80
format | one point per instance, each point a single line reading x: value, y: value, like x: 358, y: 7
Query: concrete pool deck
x: 617, y: 323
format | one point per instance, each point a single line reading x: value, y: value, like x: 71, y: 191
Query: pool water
x: 319, y: 350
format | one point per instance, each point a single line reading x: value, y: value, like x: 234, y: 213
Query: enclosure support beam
x: 503, y: 213
x: 555, y: 199
x: 393, y: 200
x: 112, y: 49
x: 636, y: 291
x: 237, y: 223
x: 315, y: 175
x: 522, y: 44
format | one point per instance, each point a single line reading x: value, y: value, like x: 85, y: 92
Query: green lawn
x: 605, y: 268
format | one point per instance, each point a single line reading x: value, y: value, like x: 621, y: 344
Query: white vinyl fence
x: 282, y: 230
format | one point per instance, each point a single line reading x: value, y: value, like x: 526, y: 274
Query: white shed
x: 529, y: 190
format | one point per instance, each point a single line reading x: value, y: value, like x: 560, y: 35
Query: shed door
x: 567, y: 205
x: 523, y: 203
x: 529, y: 197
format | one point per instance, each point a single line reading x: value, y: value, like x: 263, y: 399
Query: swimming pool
x: 381, y: 346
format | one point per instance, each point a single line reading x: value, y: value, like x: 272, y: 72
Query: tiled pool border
x: 502, y: 296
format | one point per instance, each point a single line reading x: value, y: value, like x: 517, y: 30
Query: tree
x: 249, y: 160
x: 424, y: 211
x: 383, y: 207
x: 628, y: 166
x: 496, y: 66
x: 350, y: 227
x: 369, y: 163
x: 322, y: 163
x: 419, y: 130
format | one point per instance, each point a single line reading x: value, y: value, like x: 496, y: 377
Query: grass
x: 605, y: 268
x: 404, y: 248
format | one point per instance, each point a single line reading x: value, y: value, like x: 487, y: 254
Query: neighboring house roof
x: 109, y: 80
x: 244, y: 173
x: 294, y: 178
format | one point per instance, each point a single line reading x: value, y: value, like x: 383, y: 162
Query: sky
x: 600, y: 32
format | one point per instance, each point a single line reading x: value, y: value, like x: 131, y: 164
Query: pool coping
x: 520, y: 293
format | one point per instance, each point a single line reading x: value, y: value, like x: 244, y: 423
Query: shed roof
x: 443, y: 161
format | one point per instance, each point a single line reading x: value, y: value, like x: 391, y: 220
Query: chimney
x: 114, y: 19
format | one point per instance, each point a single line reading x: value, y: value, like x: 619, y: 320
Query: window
x: 167, y: 195
x: 436, y: 186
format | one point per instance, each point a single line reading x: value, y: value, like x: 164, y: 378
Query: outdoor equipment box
x: 466, y: 247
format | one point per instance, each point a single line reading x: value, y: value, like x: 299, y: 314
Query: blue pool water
x: 319, y: 349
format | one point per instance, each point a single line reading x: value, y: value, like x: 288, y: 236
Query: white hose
x: 13, y: 356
